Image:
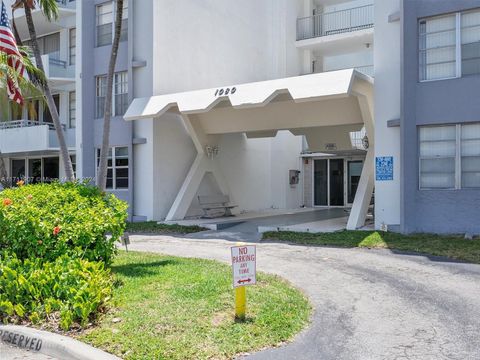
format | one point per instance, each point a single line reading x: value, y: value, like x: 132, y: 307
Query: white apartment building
x: 279, y: 104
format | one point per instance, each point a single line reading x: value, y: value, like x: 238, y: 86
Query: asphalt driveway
x: 369, y: 304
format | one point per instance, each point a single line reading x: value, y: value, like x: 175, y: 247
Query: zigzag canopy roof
x: 314, y: 87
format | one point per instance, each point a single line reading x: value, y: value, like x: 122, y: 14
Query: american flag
x: 8, y: 45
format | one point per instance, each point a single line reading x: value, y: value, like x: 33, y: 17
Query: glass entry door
x: 354, y: 173
x: 320, y: 182
x: 337, y: 184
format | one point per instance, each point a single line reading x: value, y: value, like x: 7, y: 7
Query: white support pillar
x: 364, y: 193
x: 199, y: 168
x: 363, y: 196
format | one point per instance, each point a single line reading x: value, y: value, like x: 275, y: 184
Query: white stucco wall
x: 387, y: 107
x: 206, y: 44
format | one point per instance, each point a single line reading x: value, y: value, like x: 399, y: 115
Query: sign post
x: 244, y: 268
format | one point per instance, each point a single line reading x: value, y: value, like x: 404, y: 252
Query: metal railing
x: 335, y: 22
x: 15, y: 124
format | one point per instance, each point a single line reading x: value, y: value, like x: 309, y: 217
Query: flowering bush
x: 66, y: 290
x: 50, y: 220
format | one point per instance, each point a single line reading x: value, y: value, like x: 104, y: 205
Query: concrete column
x: 202, y: 165
x: 364, y: 192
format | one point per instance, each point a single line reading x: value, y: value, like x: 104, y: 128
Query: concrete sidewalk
x: 369, y: 304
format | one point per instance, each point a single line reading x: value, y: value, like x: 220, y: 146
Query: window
x: 72, y: 52
x: 33, y: 110
x: 48, y: 44
x: 120, y: 94
x: 72, y: 109
x: 450, y: 156
x: 470, y: 43
x: 105, y: 23
x: 124, y: 31
x: 449, y: 46
x: 47, y: 117
x: 101, y: 92
x: 470, y: 156
x: 437, y: 157
x: 117, y: 168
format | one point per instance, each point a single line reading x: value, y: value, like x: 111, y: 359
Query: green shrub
x: 50, y: 220
x: 69, y: 290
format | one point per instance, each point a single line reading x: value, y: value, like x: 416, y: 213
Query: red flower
x: 30, y: 197
x: 20, y: 183
x: 56, y: 230
x: 7, y: 202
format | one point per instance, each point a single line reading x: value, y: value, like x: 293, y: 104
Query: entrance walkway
x: 249, y: 227
x: 369, y: 304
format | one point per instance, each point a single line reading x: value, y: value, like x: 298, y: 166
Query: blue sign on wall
x: 384, y: 168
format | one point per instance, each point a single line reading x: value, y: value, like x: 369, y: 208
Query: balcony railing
x: 336, y: 22
x: 15, y: 124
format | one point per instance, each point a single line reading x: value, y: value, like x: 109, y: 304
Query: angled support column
x: 199, y: 168
x: 363, y: 196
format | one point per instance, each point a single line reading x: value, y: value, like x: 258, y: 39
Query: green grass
x: 151, y: 227
x: 454, y: 247
x: 177, y: 308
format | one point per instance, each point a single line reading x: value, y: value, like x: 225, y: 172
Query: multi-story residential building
x: 28, y: 141
x: 306, y: 103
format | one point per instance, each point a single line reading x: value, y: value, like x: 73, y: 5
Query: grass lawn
x: 151, y: 227
x: 175, y: 308
x: 449, y: 246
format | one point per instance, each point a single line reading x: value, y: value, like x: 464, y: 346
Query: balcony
x: 25, y: 136
x: 56, y: 68
x: 337, y: 22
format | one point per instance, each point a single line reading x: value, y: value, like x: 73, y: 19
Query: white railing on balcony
x: 14, y: 124
x: 56, y: 68
x: 336, y: 22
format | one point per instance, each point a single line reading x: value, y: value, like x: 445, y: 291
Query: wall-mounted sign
x: 384, y: 168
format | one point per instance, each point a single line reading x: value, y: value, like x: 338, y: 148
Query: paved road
x: 369, y: 304
x: 11, y: 353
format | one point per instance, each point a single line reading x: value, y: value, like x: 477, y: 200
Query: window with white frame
x: 124, y: 31
x: 72, y: 109
x: 100, y: 93
x: 470, y: 36
x: 449, y: 46
x: 105, y: 15
x: 120, y: 94
x: 449, y: 156
x: 72, y: 50
x: 120, y: 91
x: 470, y: 151
x: 117, y: 168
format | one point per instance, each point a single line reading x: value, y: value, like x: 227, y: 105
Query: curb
x: 58, y: 346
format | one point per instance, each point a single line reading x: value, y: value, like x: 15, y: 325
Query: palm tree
x: 102, y: 167
x: 50, y: 10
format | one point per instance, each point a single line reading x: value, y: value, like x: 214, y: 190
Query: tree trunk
x: 3, y: 174
x: 48, y: 94
x: 102, y: 167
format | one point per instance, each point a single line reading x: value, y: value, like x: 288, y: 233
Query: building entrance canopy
x: 324, y: 107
